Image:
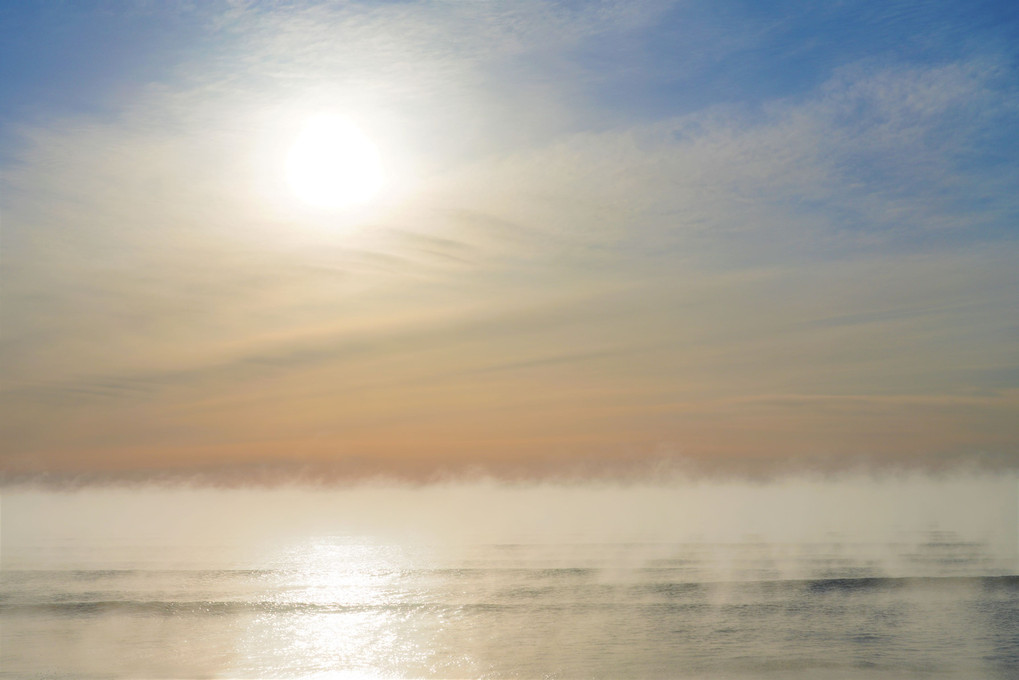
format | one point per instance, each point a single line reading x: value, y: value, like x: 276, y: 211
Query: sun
x: 333, y: 164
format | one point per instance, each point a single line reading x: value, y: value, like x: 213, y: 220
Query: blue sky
x: 739, y: 237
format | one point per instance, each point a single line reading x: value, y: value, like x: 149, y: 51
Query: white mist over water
x: 978, y: 508
x: 852, y: 577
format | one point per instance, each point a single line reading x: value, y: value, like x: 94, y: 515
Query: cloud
x: 818, y: 280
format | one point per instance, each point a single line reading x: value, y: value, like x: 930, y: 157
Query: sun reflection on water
x: 333, y: 611
x: 332, y: 572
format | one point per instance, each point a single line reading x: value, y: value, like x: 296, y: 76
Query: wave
x: 203, y: 608
x: 502, y: 596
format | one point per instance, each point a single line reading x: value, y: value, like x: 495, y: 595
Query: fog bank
x: 974, y: 513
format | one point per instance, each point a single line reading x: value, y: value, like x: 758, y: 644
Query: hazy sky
x: 741, y: 236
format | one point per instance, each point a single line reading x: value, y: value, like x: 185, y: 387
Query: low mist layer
x: 975, y: 516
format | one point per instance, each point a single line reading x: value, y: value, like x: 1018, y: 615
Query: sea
x: 340, y: 606
x: 342, y: 609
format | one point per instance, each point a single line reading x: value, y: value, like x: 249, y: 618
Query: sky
x: 615, y: 238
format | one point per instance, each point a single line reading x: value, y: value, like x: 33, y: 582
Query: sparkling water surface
x: 341, y: 607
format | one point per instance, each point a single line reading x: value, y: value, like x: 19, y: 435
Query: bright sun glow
x: 332, y: 164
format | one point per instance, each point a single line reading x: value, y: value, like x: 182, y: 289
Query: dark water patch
x: 1010, y: 582
x: 1001, y: 621
x: 522, y: 593
x: 101, y: 574
x: 158, y: 608
x: 876, y: 583
x: 664, y: 573
x: 867, y: 639
x: 678, y: 590
x: 506, y: 571
x: 223, y: 608
x: 561, y: 573
x: 846, y: 585
x: 750, y: 610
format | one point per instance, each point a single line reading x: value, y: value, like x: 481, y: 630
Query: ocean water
x: 352, y: 607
